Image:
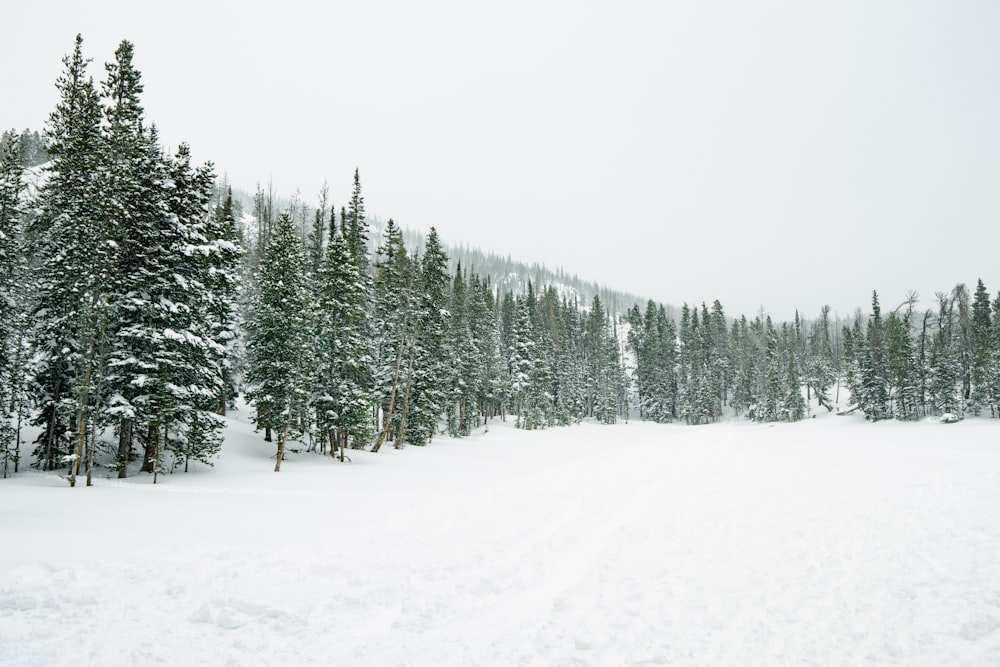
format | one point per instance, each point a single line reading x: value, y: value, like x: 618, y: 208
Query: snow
x: 828, y: 541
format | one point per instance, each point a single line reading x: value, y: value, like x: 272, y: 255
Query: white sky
x: 776, y: 154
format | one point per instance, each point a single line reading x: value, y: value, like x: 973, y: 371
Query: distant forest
x: 139, y: 297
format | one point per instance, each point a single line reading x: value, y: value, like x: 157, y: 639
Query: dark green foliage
x: 342, y: 397
x: 68, y: 240
x: 901, y: 368
x: 278, y: 346
x: 431, y: 366
x: 981, y: 339
x: 13, y: 294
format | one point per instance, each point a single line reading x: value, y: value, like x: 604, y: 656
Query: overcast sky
x: 775, y: 154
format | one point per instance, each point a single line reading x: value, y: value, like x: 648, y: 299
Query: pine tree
x: 743, y: 362
x: 773, y: 387
x: 145, y: 233
x: 428, y: 394
x: 198, y: 285
x: 483, y: 325
x: 71, y: 244
x: 13, y: 399
x: 944, y: 371
x: 982, y: 347
x: 992, y: 379
x: 279, y: 337
x: 793, y: 407
x: 342, y: 398
x: 521, y: 364
x: 464, y: 357
x: 901, y: 367
x: 224, y: 253
x: 819, y: 364
x: 963, y: 341
x: 316, y: 241
x: 395, y: 318
x: 854, y: 350
x: 719, y: 360
x: 874, y: 379
x: 356, y: 228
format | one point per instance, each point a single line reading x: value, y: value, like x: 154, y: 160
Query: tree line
x: 137, y: 300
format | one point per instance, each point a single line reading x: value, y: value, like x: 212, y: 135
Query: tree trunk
x: 150, y: 449
x: 51, y: 434
x: 267, y: 434
x: 281, y: 449
x: 387, y: 420
x: 81, y: 438
x: 406, y: 399
x: 17, y: 441
x: 124, y: 446
x: 81, y: 420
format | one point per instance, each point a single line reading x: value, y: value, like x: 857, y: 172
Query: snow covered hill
x: 829, y: 542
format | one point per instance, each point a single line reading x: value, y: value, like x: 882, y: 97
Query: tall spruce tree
x: 463, y: 357
x: 343, y: 401
x: 819, y: 364
x: 430, y: 368
x: 395, y: 318
x: 279, y: 338
x: 73, y: 250
x: 13, y: 292
x: 944, y: 370
x: 356, y: 228
x: 901, y: 367
x: 146, y: 234
x: 874, y: 378
x: 981, y: 335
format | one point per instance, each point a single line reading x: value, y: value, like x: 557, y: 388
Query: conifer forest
x: 139, y: 296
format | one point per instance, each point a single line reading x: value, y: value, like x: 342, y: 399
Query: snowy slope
x: 828, y: 541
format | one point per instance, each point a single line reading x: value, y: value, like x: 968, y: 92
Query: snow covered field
x: 826, y: 542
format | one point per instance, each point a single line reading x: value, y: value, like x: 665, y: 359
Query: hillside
x: 505, y: 271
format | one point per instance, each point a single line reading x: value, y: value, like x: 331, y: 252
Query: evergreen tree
x: 145, y: 234
x: 316, y: 241
x: 395, y: 318
x: 343, y: 398
x: 944, y: 370
x: 224, y: 253
x: 793, y: 406
x: 854, y: 350
x: 772, y: 383
x: 744, y: 380
x: 464, y: 358
x: 428, y: 394
x: 13, y: 399
x: 963, y: 341
x: 71, y: 243
x: 992, y: 375
x: 819, y: 364
x: 356, y: 228
x: 197, y: 296
x: 901, y: 367
x: 981, y: 335
x: 522, y: 368
x: 279, y: 337
x: 483, y: 324
x: 719, y: 359
x: 874, y: 379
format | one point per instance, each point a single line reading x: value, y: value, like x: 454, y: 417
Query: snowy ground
x: 827, y: 542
